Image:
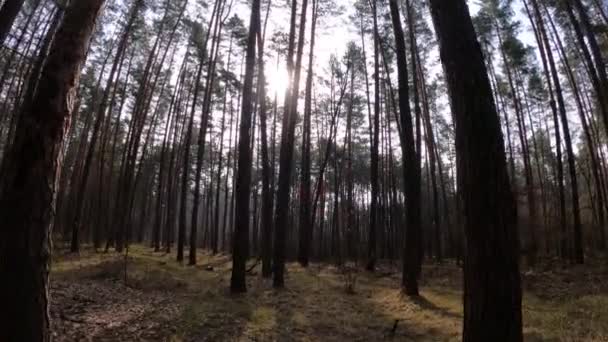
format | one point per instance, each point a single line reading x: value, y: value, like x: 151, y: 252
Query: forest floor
x: 165, y: 301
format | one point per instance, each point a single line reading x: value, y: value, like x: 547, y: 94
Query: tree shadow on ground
x: 161, y: 300
x: 315, y: 306
x: 165, y: 300
x: 425, y: 304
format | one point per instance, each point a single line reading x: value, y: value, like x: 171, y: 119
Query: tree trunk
x: 412, y: 254
x: 306, y: 225
x: 27, y: 191
x: 267, y: 196
x: 375, y: 130
x: 202, y: 132
x: 181, y: 235
x: 490, y: 213
x: 240, y: 248
x: 287, y: 143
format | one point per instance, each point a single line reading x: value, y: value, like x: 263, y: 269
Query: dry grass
x: 316, y: 306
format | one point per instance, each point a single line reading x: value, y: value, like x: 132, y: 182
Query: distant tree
x: 100, y: 117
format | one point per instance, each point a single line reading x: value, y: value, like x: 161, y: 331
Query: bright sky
x: 333, y: 34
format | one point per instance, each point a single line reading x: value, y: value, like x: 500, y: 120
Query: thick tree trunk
x: 28, y: 188
x: 490, y: 213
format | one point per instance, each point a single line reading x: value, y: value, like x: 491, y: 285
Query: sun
x: 277, y: 81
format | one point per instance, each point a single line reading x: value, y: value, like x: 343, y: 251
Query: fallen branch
x: 394, y: 329
x: 254, y: 265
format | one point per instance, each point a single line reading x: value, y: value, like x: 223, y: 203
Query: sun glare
x: 277, y: 82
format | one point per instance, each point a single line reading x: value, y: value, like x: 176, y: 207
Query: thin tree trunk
x: 287, y: 143
x: 306, y: 226
x: 375, y: 130
x: 267, y: 196
x: 240, y: 250
x: 100, y: 115
x: 412, y: 255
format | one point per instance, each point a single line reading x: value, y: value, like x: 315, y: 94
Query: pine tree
x: 28, y: 188
x: 490, y: 213
x: 240, y: 248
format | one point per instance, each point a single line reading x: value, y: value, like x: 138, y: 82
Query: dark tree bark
x: 184, y: 184
x: 412, y: 254
x: 267, y: 196
x: 306, y: 224
x: 287, y: 144
x: 350, y: 207
x: 27, y: 191
x: 490, y: 213
x: 375, y: 141
x: 240, y: 248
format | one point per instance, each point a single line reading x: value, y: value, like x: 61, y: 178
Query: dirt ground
x: 161, y: 300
